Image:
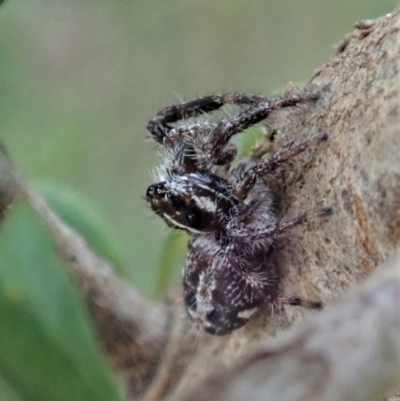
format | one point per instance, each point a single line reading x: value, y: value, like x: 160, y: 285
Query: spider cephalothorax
x: 227, y: 210
x: 196, y: 202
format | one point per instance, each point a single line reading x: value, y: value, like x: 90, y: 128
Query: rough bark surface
x: 351, y: 350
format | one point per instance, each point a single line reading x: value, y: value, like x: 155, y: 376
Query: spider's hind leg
x: 297, y: 301
x: 276, y: 230
x: 305, y: 303
x: 272, y: 162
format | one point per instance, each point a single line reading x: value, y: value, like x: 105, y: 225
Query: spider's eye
x: 159, y: 189
x: 150, y: 192
x: 170, y: 195
x: 192, y: 218
x: 155, y: 191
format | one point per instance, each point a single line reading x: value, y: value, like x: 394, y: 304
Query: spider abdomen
x: 220, y: 283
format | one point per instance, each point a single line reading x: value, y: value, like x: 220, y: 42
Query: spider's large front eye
x: 192, y: 218
x: 155, y: 191
x: 150, y: 192
x: 159, y: 189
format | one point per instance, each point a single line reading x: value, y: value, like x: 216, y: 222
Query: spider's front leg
x: 159, y: 125
x: 228, y: 127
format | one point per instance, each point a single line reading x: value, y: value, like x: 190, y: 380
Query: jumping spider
x: 227, y: 210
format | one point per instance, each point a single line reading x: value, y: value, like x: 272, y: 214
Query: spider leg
x: 305, y: 303
x: 297, y: 301
x: 272, y: 162
x: 282, y: 227
x: 228, y: 127
x: 159, y: 125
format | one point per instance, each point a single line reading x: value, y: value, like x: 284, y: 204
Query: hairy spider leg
x: 273, y: 162
x: 230, y: 126
x: 159, y: 125
x: 250, y: 235
x: 305, y: 303
x: 281, y: 228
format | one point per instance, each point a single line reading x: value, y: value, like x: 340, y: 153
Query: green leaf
x: 75, y: 210
x: 248, y: 140
x: 7, y: 394
x: 47, y: 348
x: 171, y: 260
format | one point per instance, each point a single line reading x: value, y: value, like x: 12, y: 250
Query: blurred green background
x: 80, y: 78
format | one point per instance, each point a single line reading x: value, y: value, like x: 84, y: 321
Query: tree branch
x: 132, y: 330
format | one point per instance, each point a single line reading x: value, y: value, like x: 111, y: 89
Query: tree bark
x: 350, y: 351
